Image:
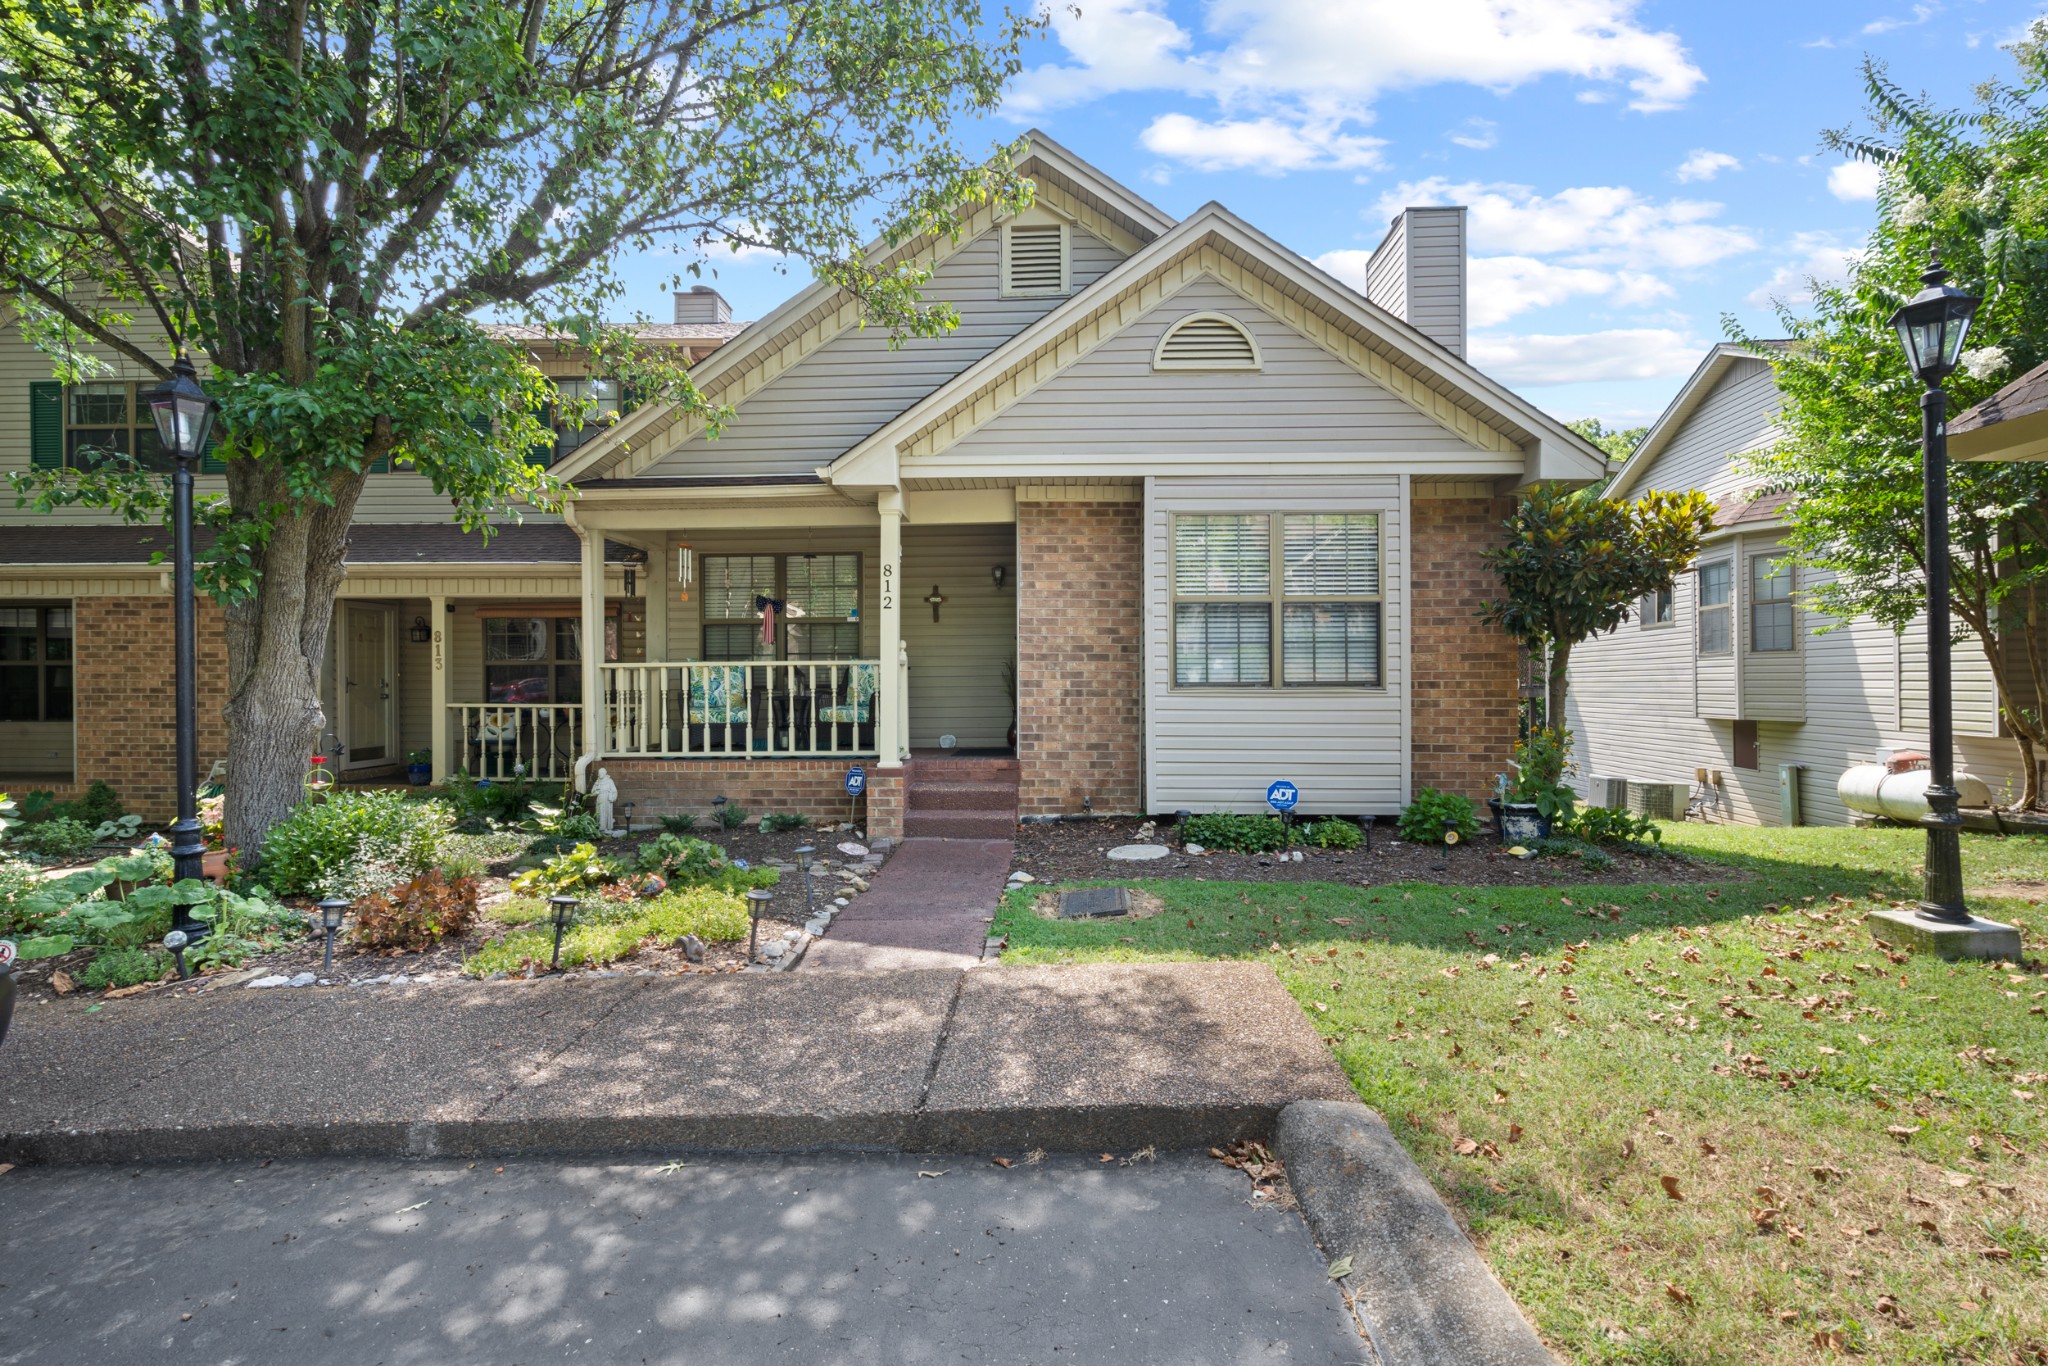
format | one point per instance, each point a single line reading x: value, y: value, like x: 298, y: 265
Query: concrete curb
x: 1423, y: 1294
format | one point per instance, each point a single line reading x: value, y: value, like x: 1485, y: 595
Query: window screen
x: 1771, y: 620
x: 1326, y: 597
x: 1715, y: 583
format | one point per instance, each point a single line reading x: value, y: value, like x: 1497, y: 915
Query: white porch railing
x: 763, y: 708
x: 507, y: 739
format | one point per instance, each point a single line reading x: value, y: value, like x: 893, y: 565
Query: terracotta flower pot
x: 213, y: 865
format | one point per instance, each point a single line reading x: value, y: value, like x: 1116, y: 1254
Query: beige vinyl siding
x: 1736, y: 415
x: 41, y: 749
x: 1304, y: 407
x: 1386, y: 271
x: 1773, y: 681
x: 1436, y: 275
x: 956, y: 663
x: 1217, y: 749
x: 854, y: 383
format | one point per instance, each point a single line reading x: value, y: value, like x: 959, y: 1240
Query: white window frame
x: 1789, y: 602
x: 1066, y: 285
x: 1659, y: 609
x: 1276, y: 599
x: 1702, y: 607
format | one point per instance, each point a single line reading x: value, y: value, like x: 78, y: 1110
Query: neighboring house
x: 2010, y: 425
x: 1171, y: 515
x: 1732, y: 674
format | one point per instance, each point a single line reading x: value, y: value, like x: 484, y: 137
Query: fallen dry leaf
x: 1514, y: 1133
x: 1681, y: 1296
x: 1995, y: 1254
x: 61, y: 983
x: 1002, y: 1161
x: 1628, y: 1147
x: 1902, y: 1132
x: 1465, y: 1147
x: 1707, y: 1148
x: 935, y: 1174
x: 1670, y: 1184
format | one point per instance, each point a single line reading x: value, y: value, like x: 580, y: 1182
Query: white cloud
x: 1705, y: 165
x: 1921, y: 14
x: 1592, y: 225
x: 1853, y: 180
x: 1502, y: 286
x: 1476, y: 133
x: 1266, y: 145
x: 1814, y: 256
x: 1633, y: 353
x: 1320, y: 66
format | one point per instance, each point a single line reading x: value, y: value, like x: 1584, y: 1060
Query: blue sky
x: 1635, y: 170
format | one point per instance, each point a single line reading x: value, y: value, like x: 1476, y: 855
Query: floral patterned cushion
x: 718, y: 697
x: 857, y: 698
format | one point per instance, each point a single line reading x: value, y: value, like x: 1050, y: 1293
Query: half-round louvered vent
x: 1207, y: 341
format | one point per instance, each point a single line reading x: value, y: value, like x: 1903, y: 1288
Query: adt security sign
x: 1282, y: 796
x: 856, y: 781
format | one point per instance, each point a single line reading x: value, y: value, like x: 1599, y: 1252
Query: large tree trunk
x: 1553, y: 701
x: 276, y: 641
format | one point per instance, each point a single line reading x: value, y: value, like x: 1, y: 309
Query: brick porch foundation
x: 813, y: 787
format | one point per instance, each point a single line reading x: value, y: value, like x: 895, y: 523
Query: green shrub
x: 582, y: 869
x: 605, y: 936
x: 1333, y: 833
x: 680, y: 823
x: 1542, y: 760
x: 98, y: 805
x: 715, y: 916
x: 121, y: 968
x: 349, y: 841
x: 416, y: 915
x: 681, y: 858
x: 775, y: 822
x: 1422, y: 820
x: 59, y: 838
x: 1229, y: 830
x: 18, y: 882
x: 1611, y: 825
x: 731, y: 815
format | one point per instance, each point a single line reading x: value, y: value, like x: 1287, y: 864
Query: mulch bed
x: 1076, y: 851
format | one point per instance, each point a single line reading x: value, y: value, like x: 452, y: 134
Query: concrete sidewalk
x: 1079, y: 1058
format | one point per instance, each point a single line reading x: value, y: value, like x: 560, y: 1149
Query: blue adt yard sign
x: 856, y: 781
x: 1282, y: 796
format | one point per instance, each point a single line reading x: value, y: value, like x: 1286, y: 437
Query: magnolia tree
x: 1576, y: 564
x: 321, y: 199
x: 1975, y: 185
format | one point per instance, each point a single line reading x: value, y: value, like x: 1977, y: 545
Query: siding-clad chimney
x: 702, y: 304
x: 1418, y: 273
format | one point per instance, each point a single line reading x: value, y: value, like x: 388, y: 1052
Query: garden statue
x: 602, y: 794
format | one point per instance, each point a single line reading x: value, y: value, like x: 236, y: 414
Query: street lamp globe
x: 1932, y: 324
x: 182, y: 411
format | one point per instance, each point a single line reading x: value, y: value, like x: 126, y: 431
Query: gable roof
x: 2010, y: 425
x: 1430, y: 378
x: 1724, y: 357
x: 821, y: 311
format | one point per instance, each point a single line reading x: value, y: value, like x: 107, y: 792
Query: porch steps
x: 961, y: 798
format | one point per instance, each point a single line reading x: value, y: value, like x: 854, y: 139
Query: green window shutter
x: 629, y: 399
x: 46, y: 424
x: 381, y: 465
x: 210, y: 463
x: 543, y: 453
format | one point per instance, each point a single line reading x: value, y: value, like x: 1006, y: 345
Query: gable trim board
x: 1067, y: 187
x: 1215, y: 242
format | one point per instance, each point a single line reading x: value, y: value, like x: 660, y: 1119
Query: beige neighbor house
x: 1732, y: 684
x: 1170, y: 516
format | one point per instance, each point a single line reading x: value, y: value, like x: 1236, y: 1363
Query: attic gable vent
x: 1207, y: 341
x: 1035, y: 258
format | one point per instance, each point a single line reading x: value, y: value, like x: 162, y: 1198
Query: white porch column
x: 594, y: 715
x: 437, y: 614
x: 889, y: 727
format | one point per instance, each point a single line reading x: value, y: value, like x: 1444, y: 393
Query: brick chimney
x: 702, y: 304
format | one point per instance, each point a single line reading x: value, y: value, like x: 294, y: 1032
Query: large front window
x: 35, y: 663
x: 1317, y: 572
x: 818, y: 616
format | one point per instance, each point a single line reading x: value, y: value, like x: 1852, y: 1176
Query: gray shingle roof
x: 2024, y: 396
x: 368, y: 543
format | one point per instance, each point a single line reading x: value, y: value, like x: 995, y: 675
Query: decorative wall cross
x: 937, y: 600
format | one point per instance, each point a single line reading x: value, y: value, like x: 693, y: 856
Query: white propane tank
x: 1877, y: 791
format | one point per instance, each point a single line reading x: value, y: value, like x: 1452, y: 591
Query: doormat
x: 1087, y: 903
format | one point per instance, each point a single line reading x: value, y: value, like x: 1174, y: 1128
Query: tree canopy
x: 324, y: 200
x: 1618, y: 442
x: 1974, y: 184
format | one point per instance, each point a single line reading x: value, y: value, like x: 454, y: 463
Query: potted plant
x: 1537, y: 795
x: 419, y: 767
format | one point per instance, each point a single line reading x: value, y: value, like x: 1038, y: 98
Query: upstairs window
x: 1771, y: 629
x: 1716, y: 584
x: 1206, y: 341
x: 1035, y: 259
x: 583, y: 408
x: 105, y: 425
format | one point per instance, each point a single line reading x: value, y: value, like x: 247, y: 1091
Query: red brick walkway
x: 928, y: 907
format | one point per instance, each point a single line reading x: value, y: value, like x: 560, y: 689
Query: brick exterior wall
x: 1080, y: 683
x: 1465, y: 698
x: 124, y: 701
x: 815, y: 787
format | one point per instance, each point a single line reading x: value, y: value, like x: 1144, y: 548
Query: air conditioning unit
x: 1659, y: 801
x: 1607, y: 792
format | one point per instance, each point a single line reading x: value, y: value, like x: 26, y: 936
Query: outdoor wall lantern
x: 758, y: 898
x: 803, y: 863
x: 331, y: 911
x: 564, y: 907
x: 184, y: 421
x: 419, y: 633
x: 1931, y: 325
x: 999, y: 572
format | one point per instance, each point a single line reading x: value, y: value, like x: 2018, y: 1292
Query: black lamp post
x: 1932, y: 325
x: 331, y: 911
x: 803, y: 863
x: 184, y: 420
x: 564, y: 907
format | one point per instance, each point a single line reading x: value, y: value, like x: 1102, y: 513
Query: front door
x: 369, y: 691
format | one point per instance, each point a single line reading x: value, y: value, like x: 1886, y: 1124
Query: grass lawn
x: 1702, y: 1123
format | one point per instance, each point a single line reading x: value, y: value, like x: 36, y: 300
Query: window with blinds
x: 1035, y: 258
x: 1206, y: 341
x: 1326, y: 595
x: 820, y: 595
